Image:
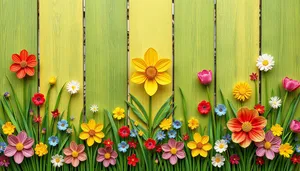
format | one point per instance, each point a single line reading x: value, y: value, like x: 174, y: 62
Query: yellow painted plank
x: 150, y: 26
x: 61, y: 51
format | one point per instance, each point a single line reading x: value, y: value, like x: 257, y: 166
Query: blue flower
x: 298, y: 148
x: 123, y: 146
x: 160, y: 135
x: 62, y: 125
x: 53, y: 140
x: 177, y: 124
x: 227, y: 138
x: 220, y: 110
x: 172, y: 133
x: 2, y: 146
x: 133, y: 133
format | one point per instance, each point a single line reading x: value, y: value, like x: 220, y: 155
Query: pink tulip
x: 295, y: 126
x: 205, y: 77
x: 290, y: 84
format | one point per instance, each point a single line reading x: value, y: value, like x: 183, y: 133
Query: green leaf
x: 291, y: 113
x: 232, y: 108
x: 184, y: 111
x: 139, y: 105
x: 166, y: 114
x: 137, y: 113
x: 113, y: 125
x: 58, y: 97
x: 163, y: 107
x: 10, y: 116
x: 61, y: 145
x: 15, y: 96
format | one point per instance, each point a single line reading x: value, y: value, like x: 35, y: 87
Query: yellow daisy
x: 41, y: 149
x: 141, y: 133
x: 200, y: 145
x: 8, y: 128
x: 242, y: 91
x: 91, y: 132
x: 286, y: 150
x: 151, y: 71
x: 118, y: 113
x: 193, y: 123
x: 166, y: 124
x: 276, y: 130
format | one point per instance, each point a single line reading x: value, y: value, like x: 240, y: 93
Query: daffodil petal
x: 150, y: 87
x: 163, y: 65
x: 138, y: 77
x: 151, y: 57
x: 97, y: 139
x: 92, y: 124
x: 203, y: 153
x: 90, y: 141
x: 99, y: 127
x: 207, y: 147
x: 205, y: 139
x: 195, y: 152
x: 140, y: 64
x: 84, y: 135
x: 197, y: 137
x: 100, y: 134
x: 163, y: 78
x: 85, y: 127
x: 192, y: 145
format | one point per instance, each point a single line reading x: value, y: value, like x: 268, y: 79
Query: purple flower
x: 269, y: 146
x: 173, y: 150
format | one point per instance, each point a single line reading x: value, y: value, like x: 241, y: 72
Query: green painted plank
x: 106, y: 56
x: 281, y: 39
x: 237, y: 47
x: 18, y: 30
x: 194, y: 51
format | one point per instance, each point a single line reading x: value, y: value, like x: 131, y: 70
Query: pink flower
x: 107, y: 155
x: 290, y: 85
x: 295, y: 126
x: 75, y: 154
x: 19, y: 146
x: 269, y: 146
x: 173, y: 150
x: 205, y: 77
x: 4, y: 161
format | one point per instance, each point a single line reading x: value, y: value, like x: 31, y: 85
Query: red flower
x: 124, y: 131
x: 150, y: 143
x: 23, y: 64
x: 158, y: 148
x: 37, y: 119
x: 260, y: 161
x: 38, y: 99
x: 260, y: 108
x: 55, y: 113
x: 253, y: 76
x: 204, y: 107
x: 186, y: 137
x: 295, y: 159
x: 132, y: 160
x: 234, y: 159
x: 132, y: 144
x: 108, y: 143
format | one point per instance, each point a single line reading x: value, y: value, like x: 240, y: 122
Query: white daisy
x: 73, y: 87
x: 220, y: 146
x: 57, y: 160
x: 275, y: 102
x: 218, y: 160
x: 265, y: 62
x: 94, y: 108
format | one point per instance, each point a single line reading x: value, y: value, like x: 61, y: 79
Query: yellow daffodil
x: 286, y: 150
x: 276, y: 130
x: 200, y: 145
x: 193, y: 123
x: 52, y: 80
x: 41, y: 149
x: 118, y: 113
x: 91, y: 132
x: 141, y: 133
x: 8, y: 128
x: 151, y: 71
x: 165, y: 124
x: 242, y: 91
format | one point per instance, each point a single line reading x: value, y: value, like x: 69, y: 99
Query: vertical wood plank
x: 237, y: 46
x: 150, y: 26
x: 194, y: 51
x: 18, y: 30
x: 281, y: 39
x: 106, y: 55
x: 61, y: 51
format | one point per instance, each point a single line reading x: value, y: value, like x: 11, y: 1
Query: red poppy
x: 158, y: 148
x: 108, y: 143
x: 132, y: 160
x: 254, y: 76
x: 23, y: 64
x: 295, y: 159
x: 204, y: 107
x: 234, y: 159
x: 38, y: 99
x: 132, y: 144
x: 124, y: 131
x: 260, y: 161
x: 37, y: 119
x: 260, y: 108
x: 150, y: 144
x: 55, y: 113
x: 186, y: 137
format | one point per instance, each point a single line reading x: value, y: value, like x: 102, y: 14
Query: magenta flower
x: 290, y: 84
x: 205, y: 77
x: 269, y: 146
x: 295, y: 126
x: 19, y: 146
x: 107, y: 155
x: 4, y: 161
x: 173, y: 150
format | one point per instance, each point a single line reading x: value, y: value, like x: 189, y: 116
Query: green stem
x: 281, y: 108
x: 212, y: 113
x: 150, y: 115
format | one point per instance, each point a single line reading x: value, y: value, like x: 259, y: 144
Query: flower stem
x: 150, y: 116
x: 281, y: 108
x: 212, y: 113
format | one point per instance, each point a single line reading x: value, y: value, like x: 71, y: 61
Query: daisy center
x: 268, y: 145
x: 221, y: 146
x: 74, y: 154
x: 73, y: 87
x: 246, y: 127
x: 173, y: 150
x: 242, y: 91
x: 23, y: 64
x: 265, y: 62
x: 19, y: 147
x: 218, y: 160
x: 107, y: 155
x: 57, y: 160
x: 92, y: 132
x: 151, y: 72
x: 199, y: 145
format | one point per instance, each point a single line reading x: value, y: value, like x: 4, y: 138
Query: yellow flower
x: 151, y: 71
x: 118, y: 113
x: 193, y: 123
x: 41, y: 149
x: 91, y: 132
x: 200, y: 145
x: 8, y: 128
x: 136, y: 123
x: 276, y: 130
x: 242, y: 91
x: 166, y: 124
x: 141, y: 133
x: 52, y: 80
x: 286, y: 150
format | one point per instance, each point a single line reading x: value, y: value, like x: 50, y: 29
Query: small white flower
x: 73, y: 87
x: 265, y: 62
x: 275, y: 102
x: 57, y: 160
x: 217, y: 160
x: 94, y: 108
x: 220, y: 146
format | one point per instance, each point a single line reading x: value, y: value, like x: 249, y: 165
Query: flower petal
x: 82, y: 157
x: 260, y: 151
x: 179, y: 145
x: 180, y: 154
x: 16, y: 58
x: 73, y: 146
x: 260, y: 144
x: 10, y: 151
x: 138, y: 77
x: 100, y: 158
x: 12, y: 140
x: 207, y: 147
x: 151, y: 57
x: 163, y: 65
x: 80, y: 148
x: 75, y: 162
x: 92, y: 124
x: 238, y: 137
x: 205, y: 139
x: 139, y: 64
x: 84, y: 135
x: 203, y: 153
x: 192, y: 145
x: 99, y: 128
x: 68, y: 159
x: 100, y: 135
x: 150, y: 87
x: 269, y: 136
x: 18, y: 157
x: 197, y: 137
x: 28, y: 143
x: 244, y: 114
x: 15, y: 67
x: 90, y: 141
x: 166, y: 155
x: 31, y: 61
x: 163, y: 78
x: 23, y: 55
x: 257, y: 135
x: 97, y: 139
x: 106, y: 163
x: 22, y: 136
x: 85, y: 127
x: 259, y: 122
x: 173, y: 159
x: 29, y: 71
x: 246, y: 142
x: 21, y: 73
x: 172, y: 143
x: 275, y: 148
x: 67, y: 151
x: 270, y: 154
x: 112, y: 161
x: 195, y: 152
x: 28, y: 152
x: 234, y: 125
x: 114, y: 154
x: 276, y: 141
x: 165, y: 148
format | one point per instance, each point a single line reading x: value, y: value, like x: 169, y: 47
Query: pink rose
x: 290, y: 85
x: 295, y: 126
x: 205, y: 77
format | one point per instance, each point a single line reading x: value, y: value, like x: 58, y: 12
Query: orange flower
x: 247, y: 127
x: 23, y: 64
